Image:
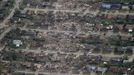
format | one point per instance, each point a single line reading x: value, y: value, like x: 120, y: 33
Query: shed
x: 17, y: 43
x: 106, y: 5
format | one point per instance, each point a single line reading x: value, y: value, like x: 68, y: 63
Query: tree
x: 125, y: 57
x: 116, y: 29
x: 129, y: 51
x: 0, y: 69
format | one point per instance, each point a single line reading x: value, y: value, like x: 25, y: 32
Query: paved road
x: 117, y: 13
x: 46, y: 10
x: 79, y: 32
x: 7, y: 18
x: 11, y: 13
x: 4, y: 33
x: 84, y: 12
x: 75, y: 53
x: 57, y: 31
x: 61, y: 10
x: 45, y: 73
x: 1, y: 48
